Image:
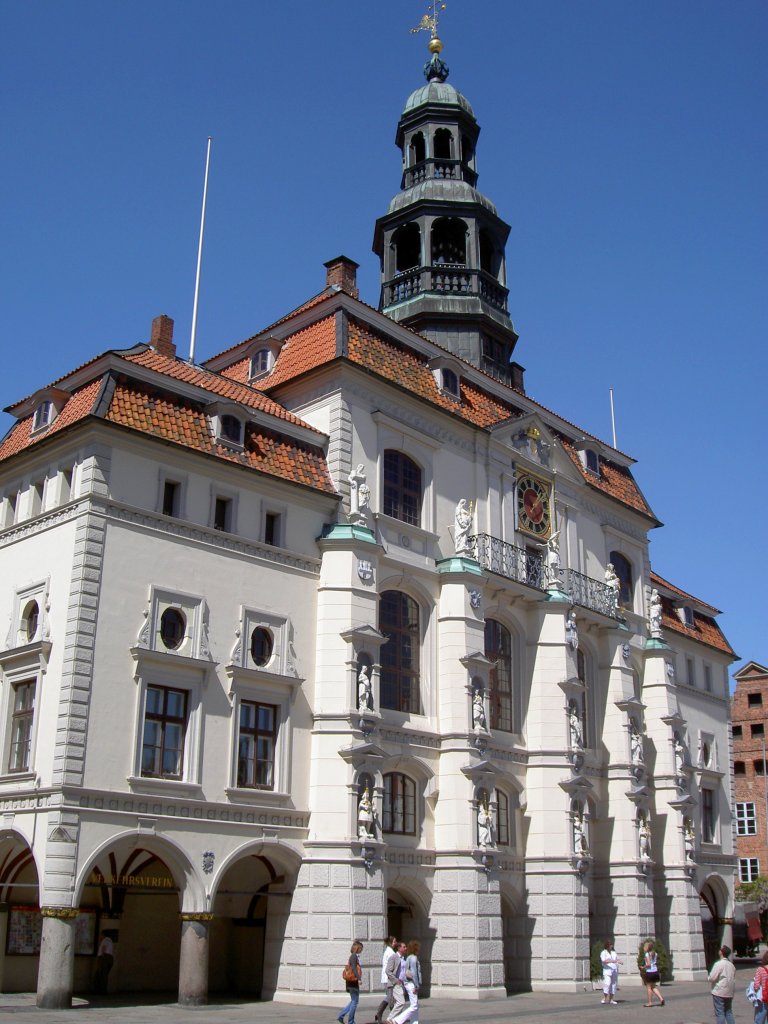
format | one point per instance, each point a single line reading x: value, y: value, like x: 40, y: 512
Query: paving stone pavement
x: 686, y: 1003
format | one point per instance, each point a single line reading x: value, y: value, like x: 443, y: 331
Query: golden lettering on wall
x: 134, y: 881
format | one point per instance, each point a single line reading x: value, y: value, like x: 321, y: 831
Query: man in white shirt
x: 105, y: 957
x: 390, y: 951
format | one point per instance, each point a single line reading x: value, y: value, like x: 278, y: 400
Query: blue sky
x: 625, y: 143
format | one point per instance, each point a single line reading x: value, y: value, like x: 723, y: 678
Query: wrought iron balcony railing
x: 528, y: 567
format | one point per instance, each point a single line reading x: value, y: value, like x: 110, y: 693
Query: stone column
x: 193, y: 959
x: 557, y: 879
x: 55, y: 977
x: 4, y: 908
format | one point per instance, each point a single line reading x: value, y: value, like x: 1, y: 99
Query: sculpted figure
x: 574, y: 726
x: 580, y: 844
x: 682, y: 758
x: 365, y: 816
x: 572, y: 632
x: 644, y: 838
x: 654, y: 615
x: 462, y: 527
x: 478, y: 710
x: 484, y: 825
x: 614, y: 583
x: 552, y: 557
x: 359, y: 496
x: 364, y: 691
x: 635, y: 742
x: 689, y: 839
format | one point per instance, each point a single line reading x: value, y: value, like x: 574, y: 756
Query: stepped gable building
x: 749, y: 707
x: 342, y: 635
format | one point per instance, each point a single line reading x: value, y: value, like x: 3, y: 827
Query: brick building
x: 750, y: 700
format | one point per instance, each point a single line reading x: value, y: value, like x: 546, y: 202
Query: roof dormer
x: 447, y: 372
x: 228, y: 424
x: 263, y: 356
x: 45, y: 406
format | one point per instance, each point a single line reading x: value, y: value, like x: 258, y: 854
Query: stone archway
x: 517, y: 930
x: 408, y: 918
x: 20, y: 920
x: 712, y: 903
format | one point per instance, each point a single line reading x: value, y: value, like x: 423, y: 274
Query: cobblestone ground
x: 686, y: 1003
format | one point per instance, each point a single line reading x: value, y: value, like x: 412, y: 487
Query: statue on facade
x: 572, y: 631
x: 613, y: 583
x: 575, y: 730
x: 682, y: 757
x: 365, y: 816
x: 364, y: 689
x: 644, y: 837
x: 580, y: 844
x: 484, y: 824
x: 552, y: 557
x: 654, y: 615
x: 635, y: 741
x: 462, y: 527
x: 359, y: 496
x: 478, y: 710
x: 689, y: 839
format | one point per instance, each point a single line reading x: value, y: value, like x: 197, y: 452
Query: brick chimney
x: 342, y: 274
x: 161, y: 339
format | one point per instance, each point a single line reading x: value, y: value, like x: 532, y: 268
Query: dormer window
x: 447, y: 374
x: 686, y: 615
x: 591, y: 461
x: 450, y: 383
x: 43, y: 414
x: 261, y: 362
x: 228, y: 427
x: 231, y: 429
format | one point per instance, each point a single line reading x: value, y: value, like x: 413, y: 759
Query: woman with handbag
x: 761, y: 985
x: 651, y: 975
x: 412, y: 985
x: 352, y: 974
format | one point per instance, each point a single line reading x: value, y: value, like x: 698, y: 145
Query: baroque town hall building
x: 341, y: 634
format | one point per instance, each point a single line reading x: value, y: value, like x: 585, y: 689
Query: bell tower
x: 441, y: 243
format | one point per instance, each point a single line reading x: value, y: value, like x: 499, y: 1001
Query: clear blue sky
x: 625, y: 143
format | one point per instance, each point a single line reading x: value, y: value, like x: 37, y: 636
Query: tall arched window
x: 490, y: 257
x: 503, y: 825
x: 417, y: 149
x: 498, y: 648
x: 399, y: 805
x: 449, y: 242
x: 402, y: 488
x: 399, y: 683
x: 623, y: 569
x: 443, y: 144
x: 407, y: 243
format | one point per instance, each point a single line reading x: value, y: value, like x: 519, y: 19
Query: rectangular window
x: 222, y: 514
x: 754, y: 700
x: 21, y: 726
x: 399, y: 806
x: 165, y: 725
x: 757, y: 729
x: 171, y: 495
x: 690, y: 673
x: 272, y: 528
x: 36, y: 497
x: 759, y: 767
x: 9, y: 509
x: 256, y: 745
x: 737, y: 732
x: 739, y: 768
x: 707, y: 815
x: 708, y: 678
x: 502, y: 824
x: 65, y: 493
x: 749, y: 869
x: 746, y: 819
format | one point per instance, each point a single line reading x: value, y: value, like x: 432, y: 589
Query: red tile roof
x: 311, y: 347
x: 614, y: 480
x: 77, y: 407
x: 704, y: 629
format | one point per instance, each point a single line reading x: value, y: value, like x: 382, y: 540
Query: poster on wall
x: 25, y: 928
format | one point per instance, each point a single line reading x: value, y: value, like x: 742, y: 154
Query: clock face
x: 533, y: 506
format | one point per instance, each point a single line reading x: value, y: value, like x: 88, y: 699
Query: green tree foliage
x: 756, y: 892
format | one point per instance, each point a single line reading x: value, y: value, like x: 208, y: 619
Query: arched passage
x: 408, y: 918
x: 712, y: 903
x: 20, y: 920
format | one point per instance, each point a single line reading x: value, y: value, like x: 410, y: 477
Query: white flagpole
x: 199, y: 257
x: 613, y: 418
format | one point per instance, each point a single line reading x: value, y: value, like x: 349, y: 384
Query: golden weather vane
x: 429, y: 21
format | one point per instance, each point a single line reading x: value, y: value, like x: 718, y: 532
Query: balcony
x: 445, y: 279
x: 528, y: 567
x: 440, y: 168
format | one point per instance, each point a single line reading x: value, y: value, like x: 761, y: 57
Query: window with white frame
x: 399, y: 805
x: 172, y: 492
x: 749, y: 869
x: 164, y: 732
x: 504, y: 830
x: 8, y: 510
x: 708, y: 815
x: 261, y: 362
x: 746, y: 819
x: 175, y: 624
x: 43, y: 414
x: 257, y: 743
x: 22, y: 721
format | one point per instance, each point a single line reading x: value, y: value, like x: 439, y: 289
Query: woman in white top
x: 610, y: 961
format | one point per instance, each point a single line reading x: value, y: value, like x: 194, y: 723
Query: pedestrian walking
x: 398, y: 992
x: 761, y: 987
x: 609, y: 958
x: 722, y: 978
x: 388, y: 979
x: 652, y: 976
x: 412, y: 985
x: 352, y: 974
x: 105, y: 957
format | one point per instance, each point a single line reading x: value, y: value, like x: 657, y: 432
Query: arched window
x: 592, y: 461
x: 443, y: 144
x: 490, y: 257
x: 402, y: 488
x: 261, y: 361
x: 498, y: 648
x: 231, y: 428
x: 399, y: 621
x: 407, y: 243
x: 623, y: 569
x: 503, y: 827
x: 450, y: 383
x: 399, y: 806
x: 417, y: 149
x: 449, y: 242
x: 467, y: 150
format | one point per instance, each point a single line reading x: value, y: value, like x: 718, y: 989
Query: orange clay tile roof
x: 614, y: 480
x: 659, y: 581
x: 173, y: 419
x: 705, y: 629
x: 78, y: 406
x: 311, y: 347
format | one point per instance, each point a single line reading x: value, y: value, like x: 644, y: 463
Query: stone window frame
x: 181, y: 480
x: 746, y: 819
x: 27, y: 663
x: 194, y: 609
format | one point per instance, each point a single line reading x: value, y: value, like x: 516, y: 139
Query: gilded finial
x: 434, y: 68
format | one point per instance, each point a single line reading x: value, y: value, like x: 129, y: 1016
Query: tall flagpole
x: 613, y: 417
x: 199, y: 256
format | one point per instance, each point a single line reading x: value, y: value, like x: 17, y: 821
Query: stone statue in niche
x: 552, y: 557
x: 654, y: 615
x: 462, y: 527
x: 364, y: 689
x: 479, y: 720
x: 613, y: 583
x: 682, y: 757
x: 365, y: 816
x: 575, y: 730
x: 635, y: 742
x: 572, y: 631
x: 689, y: 839
x: 644, y: 837
x: 580, y: 844
x: 359, y: 496
x: 484, y: 824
